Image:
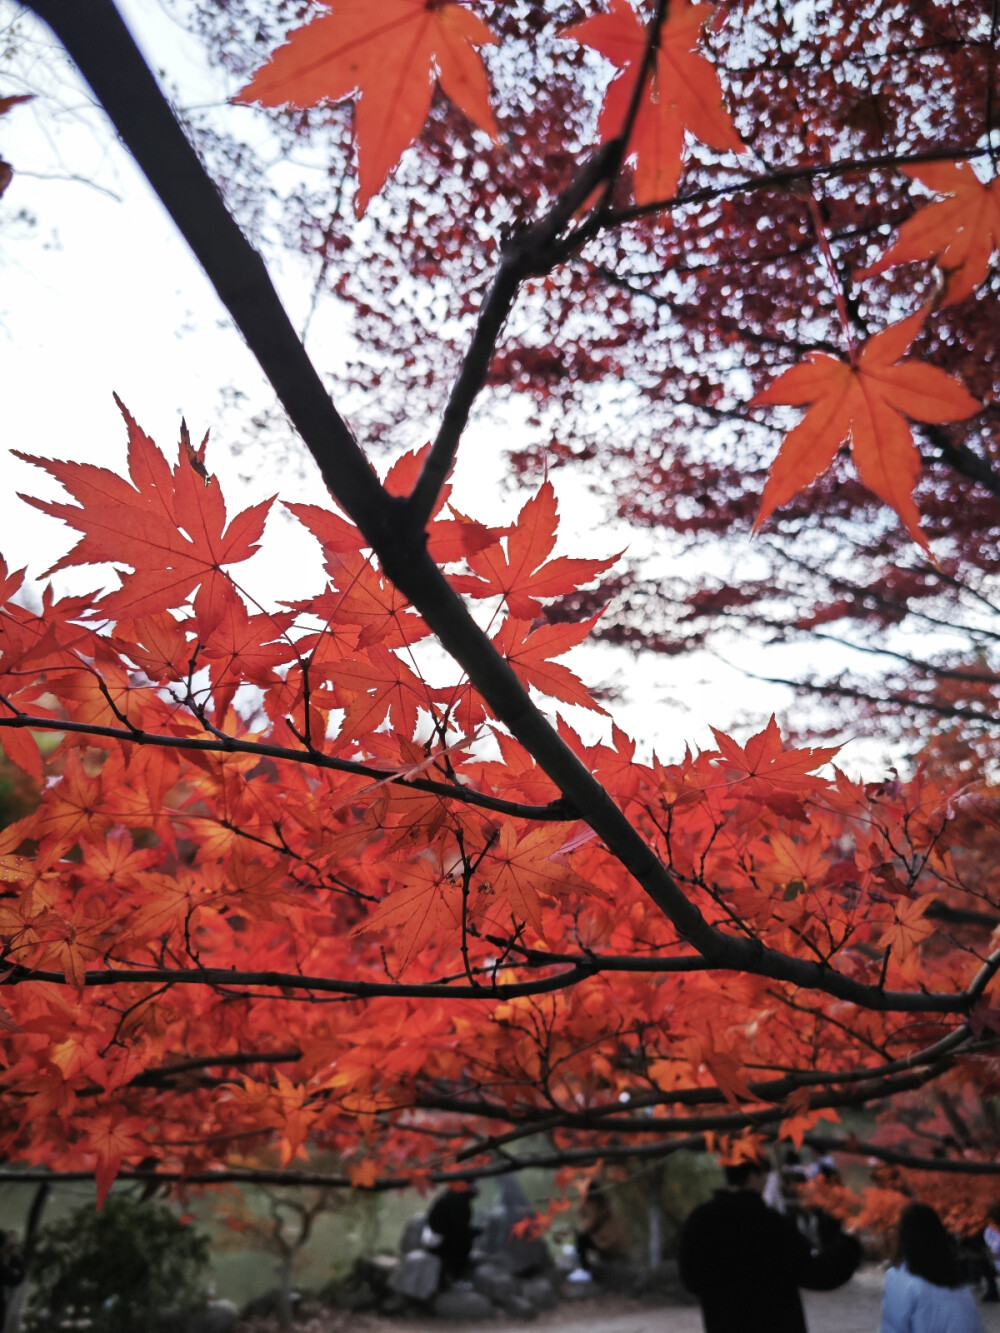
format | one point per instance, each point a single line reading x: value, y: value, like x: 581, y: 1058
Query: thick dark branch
x: 503, y: 1166
x: 222, y: 978
x: 964, y: 1166
x: 528, y: 253
x: 151, y: 1078
x: 555, y: 811
x: 617, y: 1120
x: 867, y: 996
x: 834, y: 983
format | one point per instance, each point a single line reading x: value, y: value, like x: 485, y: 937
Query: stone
x: 416, y: 1276
x: 375, y: 1272
x: 495, y: 1230
x: 262, y: 1306
x: 412, y: 1232
x: 354, y: 1300
x: 541, y: 1292
x: 519, y: 1307
x: 513, y: 1199
x: 215, y: 1317
x: 525, y: 1258
x: 455, y: 1303
x: 495, y: 1282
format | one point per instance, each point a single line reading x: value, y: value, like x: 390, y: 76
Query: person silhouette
x: 745, y: 1262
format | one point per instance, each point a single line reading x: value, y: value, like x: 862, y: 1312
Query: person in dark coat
x: 450, y: 1217
x: 745, y: 1262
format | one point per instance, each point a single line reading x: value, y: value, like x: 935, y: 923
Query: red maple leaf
x: 529, y: 652
x: 909, y: 927
x: 523, y: 572
x: 112, y: 1137
x: 524, y: 866
x: 427, y: 906
x: 169, y: 526
x: 772, y: 773
x: 960, y: 231
x: 866, y: 401
x: 683, y: 93
x: 390, y: 54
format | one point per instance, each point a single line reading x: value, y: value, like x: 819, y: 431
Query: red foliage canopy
x: 289, y: 881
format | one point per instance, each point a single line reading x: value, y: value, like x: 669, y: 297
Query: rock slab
x: 416, y: 1276
x: 467, y: 1306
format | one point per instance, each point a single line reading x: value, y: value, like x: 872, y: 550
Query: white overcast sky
x: 101, y: 295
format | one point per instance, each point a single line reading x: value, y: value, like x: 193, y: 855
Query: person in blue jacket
x: 746, y: 1262
x: 924, y: 1292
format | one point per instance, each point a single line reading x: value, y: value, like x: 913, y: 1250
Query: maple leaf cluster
x: 656, y: 98
x: 290, y: 883
x: 193, y: 872
x: 849, y: 210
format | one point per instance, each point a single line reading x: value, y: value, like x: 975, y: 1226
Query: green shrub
x: 115, y: 1269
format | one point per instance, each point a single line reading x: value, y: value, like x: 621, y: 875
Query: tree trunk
x: 15, y: 1305
x: 285, y: 1297
x: 655, y: 1223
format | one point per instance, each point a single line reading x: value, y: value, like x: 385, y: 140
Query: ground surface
x: 852, y: 1309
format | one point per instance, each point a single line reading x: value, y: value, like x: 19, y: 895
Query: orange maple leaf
x: 359, y: 594
x: 21, y: 748
x: 362, y: 1175
x: 683, y: 93
x: 390, y: 54
x: 427, y: 907
x: 112, y: 1137
x: 801, y: 1119
x: 13, y: 868
x: 523, y: 866
x: 293, y: 1118
x: 170, y: 527
x: 909, y: 928
x: 74, y: 810
x: 768, y: 769
x: 524, y: 573
x: 529, y: 653
x: 866, y: 402
x: 385, y: 687
x: 960, y: 231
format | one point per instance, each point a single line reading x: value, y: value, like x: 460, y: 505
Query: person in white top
x: 923, y: 1293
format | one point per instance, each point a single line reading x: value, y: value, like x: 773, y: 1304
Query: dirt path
x: 852, y: 1309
